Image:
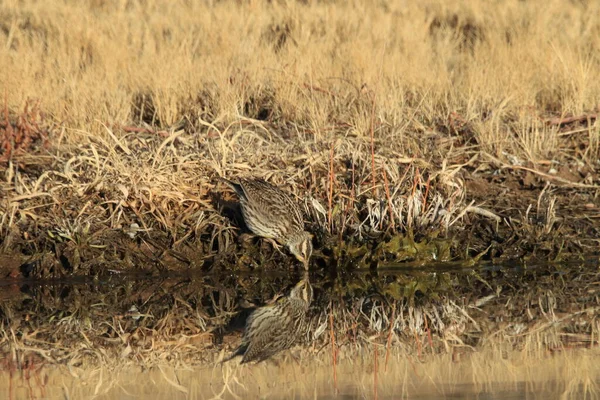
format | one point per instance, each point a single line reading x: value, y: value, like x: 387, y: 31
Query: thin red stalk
x: 330, y: 193
x: 428, y: 334
x: 333, y: 349
x: 372, y: 134
x: 389, y: 338
x: 375, y: 355
x: 426, y: 193
x: 389, y: 199
x: 416, y: 180
x: 418, y: 346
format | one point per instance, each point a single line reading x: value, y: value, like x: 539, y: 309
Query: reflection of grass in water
x: 188, y: 322
x: 572, y: 374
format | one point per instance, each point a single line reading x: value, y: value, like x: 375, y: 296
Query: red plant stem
x: 333, y: 351
x: 389, y: 199
x: 418, y: 345
x: 330, y: 193
x: 426, y: 194
x: 428, y: 334
x: 375, y: 355
x: 372, y: 134
x: 389, y: 338
x: 350, y: 204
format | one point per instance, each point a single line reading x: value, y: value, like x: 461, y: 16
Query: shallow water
x: 93, y: 319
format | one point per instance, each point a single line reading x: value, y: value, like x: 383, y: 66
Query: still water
x: 137, y: 336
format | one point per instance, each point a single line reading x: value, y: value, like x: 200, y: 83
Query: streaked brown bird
x: 271, y: 213
x: 275, y: 327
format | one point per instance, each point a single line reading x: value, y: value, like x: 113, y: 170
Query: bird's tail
x: 237, y: 352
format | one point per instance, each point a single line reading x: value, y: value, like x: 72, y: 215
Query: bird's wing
x: 271, y: 199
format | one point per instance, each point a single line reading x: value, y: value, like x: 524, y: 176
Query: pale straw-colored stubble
x: 97, y: 57
x: 568, y: 375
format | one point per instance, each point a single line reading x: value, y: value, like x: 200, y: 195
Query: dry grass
x: 569, y: 375
x: 376, y: 113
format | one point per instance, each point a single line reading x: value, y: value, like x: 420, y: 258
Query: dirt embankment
x: 410, y: 133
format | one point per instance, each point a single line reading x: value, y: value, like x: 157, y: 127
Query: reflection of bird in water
x: 275, y: 327
x: 271, y: 213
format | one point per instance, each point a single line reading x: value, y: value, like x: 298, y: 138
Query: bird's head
x: 303, y: 290
x: 300, y: 245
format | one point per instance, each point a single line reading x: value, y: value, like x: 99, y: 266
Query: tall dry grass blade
x: 372, y: 137
x: 331, y: 181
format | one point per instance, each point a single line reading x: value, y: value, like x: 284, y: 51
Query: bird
x: 275, y: 327
x: 271, y: 213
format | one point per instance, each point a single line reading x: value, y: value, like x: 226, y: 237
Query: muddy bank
x: 502, y: 221
x: 154, y: 202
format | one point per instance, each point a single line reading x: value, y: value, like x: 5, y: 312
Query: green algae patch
x: 401, y: 248
x: 399, y: 251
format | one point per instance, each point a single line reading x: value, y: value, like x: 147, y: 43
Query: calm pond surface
x: 530, y: 332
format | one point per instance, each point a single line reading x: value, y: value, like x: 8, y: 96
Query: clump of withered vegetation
x: 412, y: 131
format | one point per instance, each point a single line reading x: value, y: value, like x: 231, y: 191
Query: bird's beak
x: 305, y: 262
